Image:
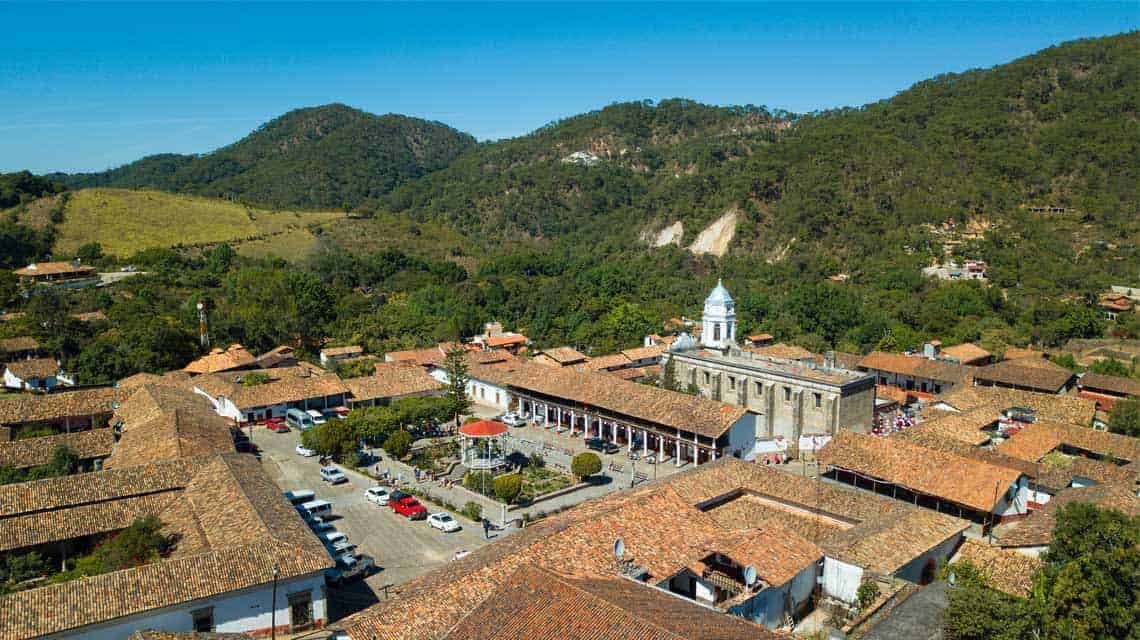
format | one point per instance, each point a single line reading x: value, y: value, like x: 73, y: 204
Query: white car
x: 377, y: 495
x: 317, y: 416
x: 513, y: 420
x: 302, y: 450
x: 444, y: 522
x: 333, y: 475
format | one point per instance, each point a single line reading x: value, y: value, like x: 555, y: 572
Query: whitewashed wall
x: 840, y: 579
x: 241, y: 611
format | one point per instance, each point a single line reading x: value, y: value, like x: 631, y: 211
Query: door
x: 300, y: 612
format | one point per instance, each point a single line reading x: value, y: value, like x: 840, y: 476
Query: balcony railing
x: 485, y: 463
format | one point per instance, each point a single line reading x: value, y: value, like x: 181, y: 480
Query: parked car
x: 377, y: 495
x: 650, y: 459
x: 348, y: 567
x: 513, y: 420
x: 300, y: 496
x: 276, y: 425
x: 408, y: 507
x: 633, y: 455
x: 444, y: 522
x: 299, y: 419
x: 598, y: 444
x: 320, y: 526
x: 317, y: 416
x: 459, y: 555
x: 333, y: 475
x: 245, y: 446
x: 336, y: 412
x: 304, y: 451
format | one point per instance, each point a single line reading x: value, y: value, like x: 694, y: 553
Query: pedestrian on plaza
x: 486, y: 529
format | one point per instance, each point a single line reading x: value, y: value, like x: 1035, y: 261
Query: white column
x: 712, y: 455
x: 519, y: 410
x: 644, y: 442
x: 696, y: 450
x: 660, y: 448
x: 573, y: 419
x: 628, y: 438
x: 677, y: 458
x: 614, y: 425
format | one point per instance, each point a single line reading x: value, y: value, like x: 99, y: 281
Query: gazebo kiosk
x: 478, y: 446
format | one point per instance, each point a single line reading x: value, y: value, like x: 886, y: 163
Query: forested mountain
x: 1056, y: 128
x: 320, y: 157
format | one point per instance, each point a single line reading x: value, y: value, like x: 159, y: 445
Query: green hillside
x: 1056, y: 128
x: 320, y: 157
x: 125, y: 222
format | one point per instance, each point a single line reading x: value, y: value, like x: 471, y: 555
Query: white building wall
x: 841, y: 580
x: 480, y: 392
x: 11, y: 381
x: 242, y: 611
x: 1019, y: 505
x: 742, y: 436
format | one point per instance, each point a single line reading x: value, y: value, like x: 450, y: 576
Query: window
x: 706, y: 377
x: 497, y: 397
x: 716, y: 331
x: 818, y: 400
x: 203, y: 619
x: 300, y: 612
x: 732, y: 383
x: 759, y: 388
x: 787, y: 394
x: 937, y: 388
x: 482, y: 393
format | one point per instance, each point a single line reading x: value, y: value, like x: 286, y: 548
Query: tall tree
x: 455, y: 365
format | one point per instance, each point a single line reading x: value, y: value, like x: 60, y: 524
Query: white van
x: 299, y: 419
x: 316, y: 508
x: 332, y: 538
x: 317, y: 416
x: 300, y: 496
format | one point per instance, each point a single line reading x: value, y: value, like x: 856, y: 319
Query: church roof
x: 719, y: 295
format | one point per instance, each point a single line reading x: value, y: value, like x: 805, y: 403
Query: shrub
x: 585, y: 465
x: 537, y: 461
x: 476, y: 480
x: 867, y: 593
x: 254, y: 379
x: 508, y: 487
x: 398, y: 444
x: 472, y: 511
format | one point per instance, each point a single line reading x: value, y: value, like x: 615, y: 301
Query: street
x: 403, y: 549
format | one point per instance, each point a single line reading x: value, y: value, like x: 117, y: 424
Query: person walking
x: 486, y: 529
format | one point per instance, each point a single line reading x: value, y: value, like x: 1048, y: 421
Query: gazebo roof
x: 483, y: 429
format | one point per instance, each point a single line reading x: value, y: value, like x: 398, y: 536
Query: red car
x: 408, y: 507
x: 276, y: 424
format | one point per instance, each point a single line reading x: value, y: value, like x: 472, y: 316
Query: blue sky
x: 91, y: 86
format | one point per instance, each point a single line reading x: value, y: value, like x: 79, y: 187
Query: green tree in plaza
x: 585, y: 464
x: 669, y: 376
x: 335, y: 439
x: 455, y: 366
x: 398, y: 444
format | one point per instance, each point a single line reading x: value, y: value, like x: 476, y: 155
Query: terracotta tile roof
x: 966, y: 353
x: 1039, y: 438
x: 942, y: 474
x: 1037, y: 529
x: 611, y: 394
x: 285, y: 385
x: 563, y: 355
x: 914, y: 366
x: 781, y: 350
x: 872, y: 531
x: 644, y: 353
x: 165, y: 423
x: 15, y: 345
x: 663, y: 532
x: 25, y: 408
x: 1005, y: 570
x: 392, y: 380
x: 275, y: 356
x: 1115, y: 385
x: 777, y: 552
x: 54, y: 269
x: 505, y: 340
x: 892, y: 392
x: 28, y: 530
x: 761, y: 337
x: 244, y: 526
x: 636, y: 373
x: 420, y: 356
x: 937, y: 441
x: 177, y: 379
x: 352, y: 350
x: 232, y: 357
x: 149, y: 634
x: 1017, y: 353
x: 966, y: 426
x: 611, y: 361
x: 34, y: 368
x: 1049, y: 407
x: 30, y: 452
x: 538, y: 603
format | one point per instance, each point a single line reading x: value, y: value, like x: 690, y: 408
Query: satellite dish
x: 750, y: 575
x: 619, y: 548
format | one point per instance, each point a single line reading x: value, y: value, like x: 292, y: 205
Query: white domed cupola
x: 718, y: 324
